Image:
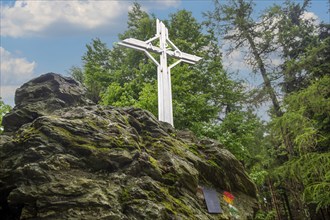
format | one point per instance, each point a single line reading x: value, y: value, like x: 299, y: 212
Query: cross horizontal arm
x: 186, y: 57
x: 130, y: 42
x: 143, y: 46
x: 141, y: 49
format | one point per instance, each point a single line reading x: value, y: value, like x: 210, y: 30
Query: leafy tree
x: 132, y: 70
x: 97, y: 68
x: 148, y: 97
x: 240, y: 132
x: 3, y: 110
x: 77, y: 74
x: 211, y: 91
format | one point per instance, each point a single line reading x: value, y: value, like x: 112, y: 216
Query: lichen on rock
x: 63, y: 157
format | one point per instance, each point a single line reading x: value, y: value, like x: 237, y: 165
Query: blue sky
x: 40, y: 36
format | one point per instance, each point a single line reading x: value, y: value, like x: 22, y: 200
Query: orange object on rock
x: 228, y: 197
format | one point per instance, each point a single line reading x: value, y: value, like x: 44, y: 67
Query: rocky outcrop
x: 75, y: 160
x: 42, y: 96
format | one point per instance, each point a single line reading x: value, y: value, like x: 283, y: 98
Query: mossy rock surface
x: 91, y: 162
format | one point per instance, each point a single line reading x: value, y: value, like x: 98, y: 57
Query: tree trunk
x: 270, y: 90
x: 264, y: 75
x: 287, y: 204
x: 274, y: 200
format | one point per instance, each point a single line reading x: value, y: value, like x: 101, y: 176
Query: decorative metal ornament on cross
x: 165, y: 111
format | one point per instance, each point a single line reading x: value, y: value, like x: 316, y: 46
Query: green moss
x: 183, y: 208
x: 108, y: 141
x: 169, y: 207
x: 174, y: 135
x: 170, y: 176
x: 171, y: 204
x: 153, y: 162
x: 146, y: 133
x: 114, y: 141
x: 94, y: 148
x: 96, y: 124
x: 194, y: 151
x: 125, y: 195
x: 178, y: 151
x: 213, y: 163
x: 126, y: 120
x: 63, y: 132
x: 26, y: 134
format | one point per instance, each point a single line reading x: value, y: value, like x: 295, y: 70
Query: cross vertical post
x: 165, y: 109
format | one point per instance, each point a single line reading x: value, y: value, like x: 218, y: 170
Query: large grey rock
x: 42, y: 96
x: 94, y: 162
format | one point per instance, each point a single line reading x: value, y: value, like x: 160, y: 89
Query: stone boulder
x: 43, y: 95
x: 75, y: 160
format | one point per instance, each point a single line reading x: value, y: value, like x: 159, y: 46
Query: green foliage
x: 140, y: 25
x: 307, y: 120
x: 305, y: 47
x: 313, y: 170
x: 300, y: 125
x: 133, y: 74
x: 235, y: 21
x: 258, y: 175
x: 3, y: 110
x: 126, y: 77
x: 148, y: 98
x: 241, y: 132
x: 319, y: 192
x: 307, y: 117
x: 261, y: 215
x: 77, y: 73
x: 118, y: 95
x: 97, y: 68
x: 313, y: 63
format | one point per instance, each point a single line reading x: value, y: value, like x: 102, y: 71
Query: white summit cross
x: 165, y: 112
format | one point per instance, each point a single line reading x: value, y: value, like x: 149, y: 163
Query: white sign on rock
x: 165, y: 111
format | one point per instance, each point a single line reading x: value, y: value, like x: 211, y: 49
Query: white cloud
x: 234, y: 61
x: 14, y: 69
x: 45, y: 18
x: 167, y: 3
x: 310, y: 16
x: 14, y: 72
x: 30, y: 18
x: 7, y: 94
